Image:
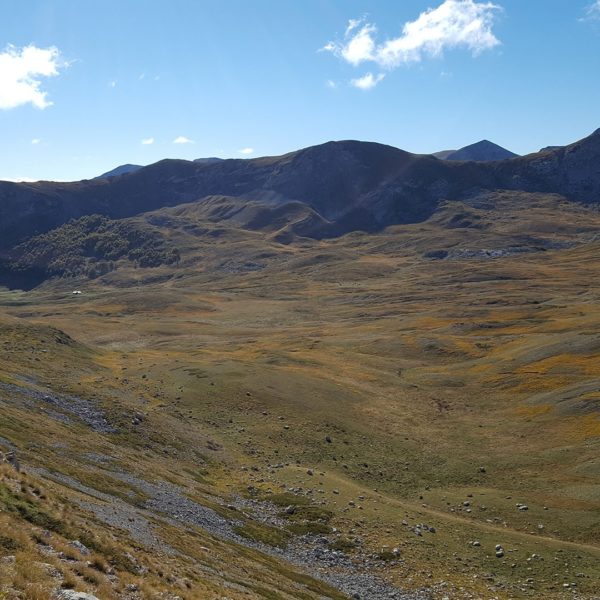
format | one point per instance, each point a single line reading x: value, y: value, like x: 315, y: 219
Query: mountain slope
x: 572, y: 171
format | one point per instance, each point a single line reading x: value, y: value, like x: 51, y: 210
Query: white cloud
x: 593, y: 10
x: 21, y: 71
x: 35, y: 141
x: 359, y: 46
x: 112, y: 84
x: 246, y: 151
x: 454, y: 24
x: 368, y: 81
x: 148, y: 141
x: 182, y: 140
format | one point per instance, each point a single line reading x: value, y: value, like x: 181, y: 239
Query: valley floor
x: 348, y: 418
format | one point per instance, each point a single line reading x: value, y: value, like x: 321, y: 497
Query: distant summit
x: 121, y: 170
x: 480, y: 152
x: 208, y: 161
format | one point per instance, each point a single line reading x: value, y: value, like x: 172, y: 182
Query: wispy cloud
x: 35, y: 141
x: 592, y: 12
x: 21, y: 72
x: 148, y: 141
x: 454, y: 24
x: 182, y: 140
x: 112, y: 83
x: 246, y: 151
x: 332, y: 85
x: 367, y: 82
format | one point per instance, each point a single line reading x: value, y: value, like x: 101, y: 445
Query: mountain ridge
x: 352, y: 185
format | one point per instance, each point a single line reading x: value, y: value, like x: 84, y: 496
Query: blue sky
x: 84, y: 82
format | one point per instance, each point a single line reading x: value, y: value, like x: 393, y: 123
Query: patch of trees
x: 91, y: 246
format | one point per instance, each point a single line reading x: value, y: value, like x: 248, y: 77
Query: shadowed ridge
x: 352, y: 185
x: 336, y: 179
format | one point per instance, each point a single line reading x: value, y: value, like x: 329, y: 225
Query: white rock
x: 72, y: 595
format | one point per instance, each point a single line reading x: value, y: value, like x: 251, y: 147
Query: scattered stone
x: 82, y: 548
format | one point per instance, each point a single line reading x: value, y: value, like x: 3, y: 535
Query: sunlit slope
x: 442, y: 374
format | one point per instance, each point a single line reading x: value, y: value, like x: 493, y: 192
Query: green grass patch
x: 343, y: 544
x: 308, y: 513
x: 265, y: 534
x: 29, y: 510
x: 309, y: 528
